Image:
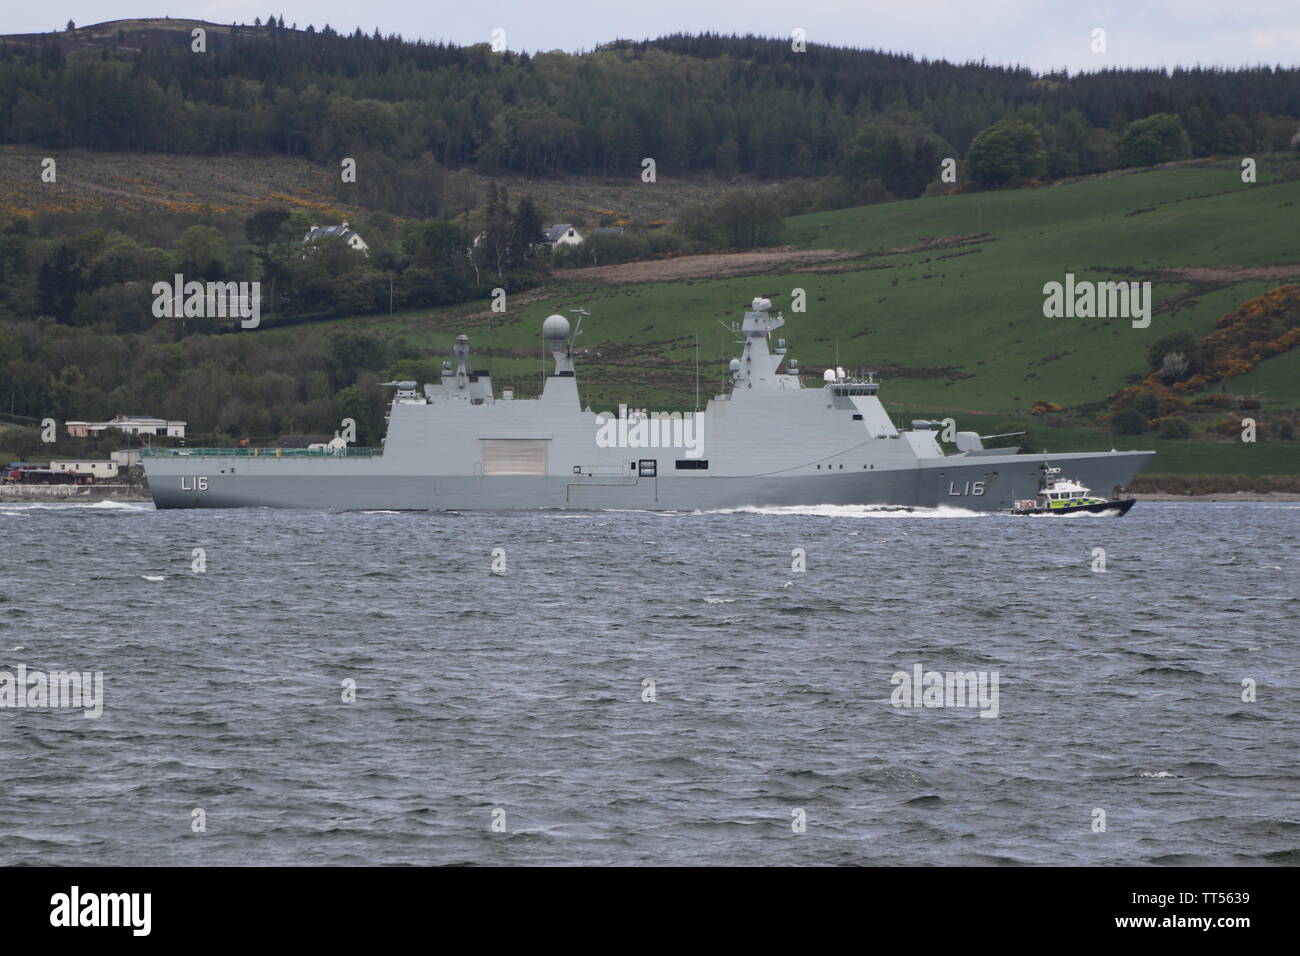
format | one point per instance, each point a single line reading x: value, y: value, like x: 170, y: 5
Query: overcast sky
x: 1042, y: 34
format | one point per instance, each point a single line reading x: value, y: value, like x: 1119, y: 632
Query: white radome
x: 555, y: 327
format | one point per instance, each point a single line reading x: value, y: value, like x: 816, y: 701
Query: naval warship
x: 770, y: 440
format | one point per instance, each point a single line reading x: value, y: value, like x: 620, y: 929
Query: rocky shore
x: 80, y: 493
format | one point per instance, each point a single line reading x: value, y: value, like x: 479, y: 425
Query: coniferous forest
x: 694, y: 103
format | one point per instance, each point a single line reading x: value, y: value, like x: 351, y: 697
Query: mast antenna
x: 573, y: 340
x: 697, y: 371
x: 577, y: 330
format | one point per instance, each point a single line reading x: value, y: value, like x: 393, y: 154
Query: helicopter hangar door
x: 514, y: 456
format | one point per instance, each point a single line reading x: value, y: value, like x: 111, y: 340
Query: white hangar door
x: 514, y: 456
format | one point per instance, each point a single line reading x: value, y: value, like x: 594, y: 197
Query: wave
x: 852, y: 511
x: 20, y: 506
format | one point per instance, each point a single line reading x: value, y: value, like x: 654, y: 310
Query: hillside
x: 695, y: 104
x: 913, y: 285
x: 954, y: 330
x: 942, y: 296
x: 217, y: 166
x: 92, y: 181
x: 128, y: 35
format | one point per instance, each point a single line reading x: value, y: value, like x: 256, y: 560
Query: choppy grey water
x: 523, y: 692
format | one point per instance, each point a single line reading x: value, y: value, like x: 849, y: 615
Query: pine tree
x: 527, y: 231
x: 498, y: 230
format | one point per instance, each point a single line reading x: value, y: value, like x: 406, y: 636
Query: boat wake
x: 1108, y: 513
x: 853, y: 511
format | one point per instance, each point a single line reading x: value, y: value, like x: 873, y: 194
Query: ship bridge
x: 759, y: 366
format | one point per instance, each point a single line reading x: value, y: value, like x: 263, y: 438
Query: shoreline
x: 106, y: 492
x: 1223, y: 496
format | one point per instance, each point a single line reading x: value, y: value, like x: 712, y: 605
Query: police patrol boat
x: 1061, y: 496
x: 770, y: 440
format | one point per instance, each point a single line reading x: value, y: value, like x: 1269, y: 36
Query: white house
x: 344, y: 232
x: 86, y: 466
x: 562, y: 234
x: 131, y: 424
x: 335, y: 445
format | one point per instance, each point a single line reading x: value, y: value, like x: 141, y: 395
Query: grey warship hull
x: 770, y: 442
x: 333, y: 485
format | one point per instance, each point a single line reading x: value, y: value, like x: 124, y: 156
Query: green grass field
x: 1181, y: 456
x: 958, y: 330
x: 1277, y: 380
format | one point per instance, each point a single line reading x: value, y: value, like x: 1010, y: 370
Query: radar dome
x: 828, y: 375
x: 555, y: 328
x: 760, y: 304
x: 735, y: 365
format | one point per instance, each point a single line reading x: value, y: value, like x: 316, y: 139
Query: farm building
x: 86, y: 467
x: 562, y: 234
x: 344, y: 232
x: 131, y: 424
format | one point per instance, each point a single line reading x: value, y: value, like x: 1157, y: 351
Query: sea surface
x: 504, y: 718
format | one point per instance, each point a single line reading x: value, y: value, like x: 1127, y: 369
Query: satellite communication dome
x: 828, y: 375
x: 839, y: 374
x: 555, y: 328
x: 735, y: 365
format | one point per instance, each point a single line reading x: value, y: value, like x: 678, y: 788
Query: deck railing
x: 258, y: 452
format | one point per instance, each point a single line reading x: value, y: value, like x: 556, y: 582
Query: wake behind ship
x: 770, y: 441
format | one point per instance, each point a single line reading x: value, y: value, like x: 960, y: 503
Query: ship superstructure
x: 768, y: 441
